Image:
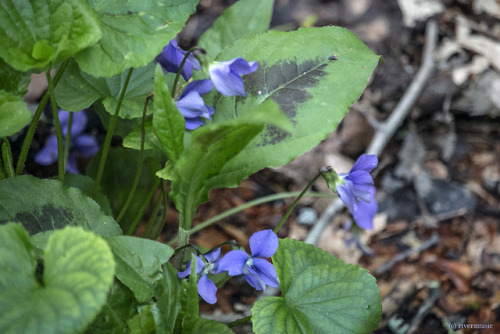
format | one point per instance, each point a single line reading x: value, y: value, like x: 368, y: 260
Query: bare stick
x: 432, y: 241
x: 386, y: 130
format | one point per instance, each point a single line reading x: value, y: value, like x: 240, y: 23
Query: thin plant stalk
x: 249, y: 204
x: 68, y: 139
x: 109, y: 135
x: 141, y: 161
x: 239, y: 321
x: 294, y: 204
x: 139, y: 214
x: 7, y: 158
x: 181, y: 66
x: 55, y: 114
x: 153, y: 229
x: 34, y: 122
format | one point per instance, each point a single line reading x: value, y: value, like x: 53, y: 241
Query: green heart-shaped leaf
x: 320, y: 294
x: 78, y: 270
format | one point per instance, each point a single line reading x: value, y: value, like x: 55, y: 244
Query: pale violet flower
x: 192, y: 106
x: 357, y: 191
x: 82, y: 145
x: 226, y: 75
x: 206, y: 288
x: 255, y: 268
x: 171, y: 58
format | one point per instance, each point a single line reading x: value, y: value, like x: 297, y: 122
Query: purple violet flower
x: 171, y: 58
x: 357, y: 191
x: 191, y: 104
x: 206, y: 288
x: 257, y: 271
x: 82, y: 145
x: 226, y: 75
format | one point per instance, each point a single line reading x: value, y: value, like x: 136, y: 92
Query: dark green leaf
x: 44, y: 205
x: 138, y: 263
x: 34, y: 34
x: 120, y: 307
x: 13, y: 81
x: 168, y: 123
x: 243, y: 19
x: 78, y: 90
x: 297, y: 71
x: 320, y: 294
x: 211, y: 148
x: 134, y: 33
x: 13, y: 114
x: 168, y: 292
x: 78, y: 271
x: 206, y: 326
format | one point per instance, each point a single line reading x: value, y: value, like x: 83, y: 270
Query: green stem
x: 148, y: 232
x: 36, y: 117
x: 181, y: 66
x: 139, y: 214
x: 55, y: 114
x: 247, y: 205
x: 290, y: 209
x: 3, y: 175
x: 7, y: 158
x: 109, y: 135
x: 155, y: 225
x: 67, y: 143
x: 141, y: 162
x: 115, y: 316
x: 239, y: 321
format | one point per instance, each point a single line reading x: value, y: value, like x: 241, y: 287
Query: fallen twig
x: 434, y: 294
x: 386, y: 130
x: 432, y: 241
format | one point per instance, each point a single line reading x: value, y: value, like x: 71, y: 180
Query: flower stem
x: 239, y: 321
x: 181, y: 66
x: 141, y: 161
x: 67, y: 143
x: 7, y: 158
x: 55, y: 114
x: 139, y: 214
x: 36, y: 117
x: 294, y: 204
x: 247, y: 205
x: 109, y: 135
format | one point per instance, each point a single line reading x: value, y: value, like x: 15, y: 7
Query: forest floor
x: 435, y: 247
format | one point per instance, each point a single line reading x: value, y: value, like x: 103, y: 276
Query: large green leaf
x: 168, y: 294
x: 13, y: 114
x: 320, y: 294
x: 117, y: 179
x: 44, y: 205
x: 190, y: 306
x: 168, y: 122
x: 243, y: 19
x: 138, y: 263
x: 78, y: 270
x: 211, y: 148
x: 134, y: 33
x: 120, y: 307
x: 206, y: 326
x: 78, y: 90
x: 13, y: 81
x: 34, y: 34
x: 298, y: 71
